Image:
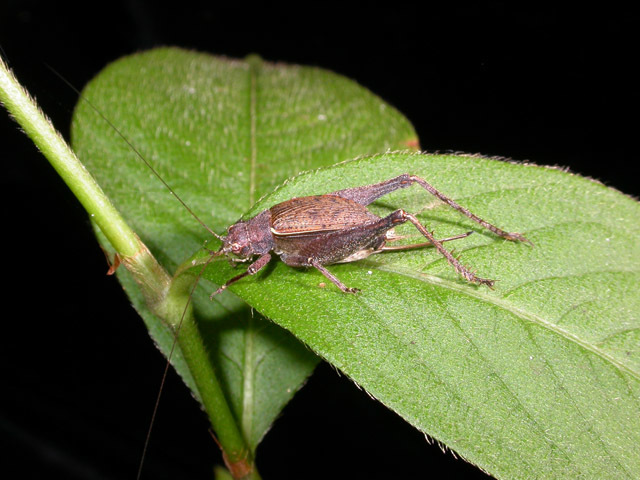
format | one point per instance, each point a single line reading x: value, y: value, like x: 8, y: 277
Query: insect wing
x: 319, y: 213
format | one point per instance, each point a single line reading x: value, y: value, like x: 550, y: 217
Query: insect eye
x: 236, y: 247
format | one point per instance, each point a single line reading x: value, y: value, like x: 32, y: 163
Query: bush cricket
x: 322, y: 230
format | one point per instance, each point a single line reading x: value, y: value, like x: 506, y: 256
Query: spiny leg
x: 397, y: 248
x: 333, y: 278
x: 252, y: 270
x: 498, y: 231
x: 366, y: 194
x: 400, y: 216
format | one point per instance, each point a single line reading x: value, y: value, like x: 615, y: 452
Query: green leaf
x: 223, y: 133
x: 539, y: 378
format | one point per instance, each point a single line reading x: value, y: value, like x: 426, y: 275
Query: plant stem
x: 237, y: 455
x: 38, y: 127
x: 153, y: 279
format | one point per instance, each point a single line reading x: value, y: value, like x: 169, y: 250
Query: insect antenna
x: 136, y: 151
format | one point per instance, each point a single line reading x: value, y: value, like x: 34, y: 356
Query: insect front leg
x: 254, y: 268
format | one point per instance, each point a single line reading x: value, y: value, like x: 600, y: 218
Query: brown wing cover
x: 318, y: 213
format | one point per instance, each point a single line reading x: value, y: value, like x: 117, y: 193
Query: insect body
x: 336, y: 228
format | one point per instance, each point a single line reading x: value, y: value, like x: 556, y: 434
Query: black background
x: 78, y: 374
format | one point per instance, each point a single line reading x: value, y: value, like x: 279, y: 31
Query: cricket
x: 322, y: 230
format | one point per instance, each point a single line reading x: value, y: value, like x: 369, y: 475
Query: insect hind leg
x: 398, y: 248
x: 254, y: 268
x: 492, y: 228
x: 369, y: 193
x: 400, y: 216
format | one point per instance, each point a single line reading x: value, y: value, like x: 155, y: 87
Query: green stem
x: 38, y: 127
x: 155, y: 282
x: 237, y: 455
